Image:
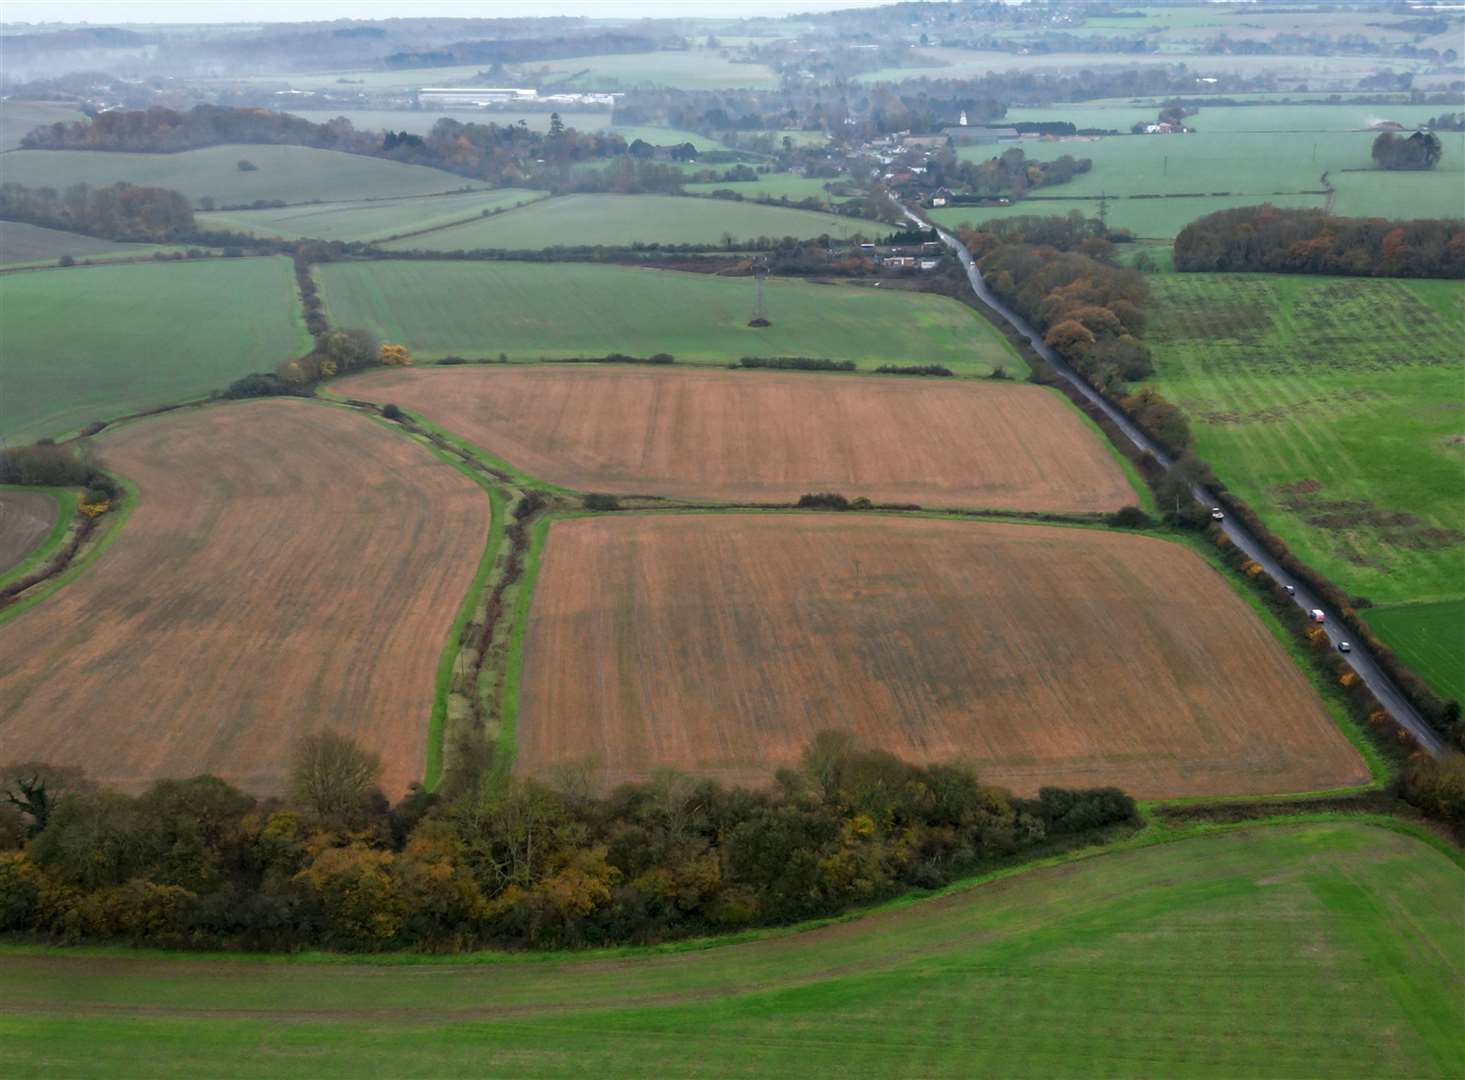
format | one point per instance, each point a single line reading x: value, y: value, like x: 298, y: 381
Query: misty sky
x: 190, y: 11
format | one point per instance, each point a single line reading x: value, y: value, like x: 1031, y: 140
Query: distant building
x: 980, y: 136
x: 472, y: 97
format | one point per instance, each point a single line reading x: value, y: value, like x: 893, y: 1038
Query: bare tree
x: 333, y: 777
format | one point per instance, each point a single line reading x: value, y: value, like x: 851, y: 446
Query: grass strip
x: 66, y: 500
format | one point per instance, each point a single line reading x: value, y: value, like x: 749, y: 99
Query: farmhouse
x: 980, y: 136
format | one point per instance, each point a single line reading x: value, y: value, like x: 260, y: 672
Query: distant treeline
x: 1011, y: 173
x: 197, y: 863
x: 521, y: 50
x: 118, y: 212
x: 501, y: 153
x: 1314, y: 242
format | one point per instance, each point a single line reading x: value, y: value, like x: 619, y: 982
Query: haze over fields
x: 777, y: 537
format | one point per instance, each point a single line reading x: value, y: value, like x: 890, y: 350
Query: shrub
x: 245, y: 165
x: 913, y: 369
x: 600, y: 502
x: 263, y: 384
x: 796, y: 363
x: 1130, y: 517
x: 391, y: 412
x: 66, y: 260
x: 49, y: 465
x: 826, y: 500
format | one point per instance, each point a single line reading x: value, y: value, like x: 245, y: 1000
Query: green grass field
x: 21, y: 244
x: 1151, y: 219
x: 692, y: 69
x: 617, y: 220
x: 773, y: 186
x: 19, y: 118
x: 1333, y: 949
x: 1430, y: 638
x: 1336, y: 408
x: 1235, y: 168
x: 1307, y: 118
x: 539, y: 310
x: 294, y: 174
x: 97, y: 342
x: 665, y: 136
x: 367, y: 220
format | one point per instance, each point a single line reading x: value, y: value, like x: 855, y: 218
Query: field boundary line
x: 78, y: 565
x: 66, y: 502
x: 506, y: 742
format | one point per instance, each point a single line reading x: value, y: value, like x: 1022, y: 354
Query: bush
x: 264, y: 384
x: 827, y: 500
x: 246, y: 165
x: 600, y: 502
x: 49, y: 465
x: 913, y: 369
x: 1130, y: 517
x: 796, y: 363
x: 451, y: 361
x: 391, y: 412
x: 66, y: 260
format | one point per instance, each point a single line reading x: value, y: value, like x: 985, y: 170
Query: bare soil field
x: 721, y: 643
x: 26, y: 517
x: 771, y: 436
x: 287, y: 568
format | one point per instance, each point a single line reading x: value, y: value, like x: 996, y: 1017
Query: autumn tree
x: 394, y: 355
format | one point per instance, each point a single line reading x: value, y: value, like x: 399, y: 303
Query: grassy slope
x: 1150, y: 219
x: 21, y: 243
x: 1355, y: 386
x: 534, y: 310
x: 366, y: 220
x: 628, y: 219
x: 1246, y: 953
x: 291, y: 173
x: 693, y: 69
x: 771, y: 185
x: 18, y: 118
x: 152, y: 334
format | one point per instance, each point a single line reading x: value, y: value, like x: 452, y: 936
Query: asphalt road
x: 1360, y: 659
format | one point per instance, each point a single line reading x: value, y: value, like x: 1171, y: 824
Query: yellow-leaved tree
x: 394, y: 355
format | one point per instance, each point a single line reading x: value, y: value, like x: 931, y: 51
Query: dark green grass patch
x: 1430, y: 638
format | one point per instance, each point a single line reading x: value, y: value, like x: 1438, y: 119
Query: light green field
x: 19, y: 118
x: 1430, y: 638
x: 1336, y: 408
x: 1296, y: 118
x: 1258, y: 166
x: 1332, y: 950
x: 97, y: 342
x: 693, y: 69
x: 622, y: 220
x: 1155, y: 219
x: 367, y: 220
x: 665, y: 136
x: 21, y: 243
x: 421, y: 122
x: 541, y: 310
x: 294, y: 174
x: 772, y: 186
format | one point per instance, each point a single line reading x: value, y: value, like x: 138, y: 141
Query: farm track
x: 1360, y: 659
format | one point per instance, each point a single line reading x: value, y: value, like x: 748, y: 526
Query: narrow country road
x: 1360, y: 659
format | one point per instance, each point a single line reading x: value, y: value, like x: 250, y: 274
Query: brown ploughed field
x: 288, y: 568
x: 25, y: 519
x: 720, y: 643
x: 770, y: 436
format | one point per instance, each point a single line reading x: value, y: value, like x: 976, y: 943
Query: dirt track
x: 25, y: 519
x: 288, y: 567
x: 771, y: 436
x: 1046, y: 656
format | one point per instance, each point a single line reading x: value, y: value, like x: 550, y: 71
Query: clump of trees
x: 1010, y: 173
x: 1314, y: 242
x: 336, y: 352
x: 198, y: 863
x: 117, y: 212
x: 1422, y: 150
x: 51, y: 465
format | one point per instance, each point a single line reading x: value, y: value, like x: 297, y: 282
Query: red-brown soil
x: 288, y: 568
x: 26, y: 518
x: 770, y: 436
x: 722, y: 643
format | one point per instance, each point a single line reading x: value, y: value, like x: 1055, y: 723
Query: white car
x: 1291, y: 591
x: 1343, y: 646
x: 1216, y: 514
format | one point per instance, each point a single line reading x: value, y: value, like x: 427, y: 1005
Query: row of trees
x: 1010, y: 173
x: 1422, y: 150
x: 197, y: 862
x: 1306, y: 241
x: 119, y: 212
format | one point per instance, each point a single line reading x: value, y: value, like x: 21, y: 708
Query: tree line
x: 1303, y: 241
x: 117, y: 212
x: 199, y: 863
x: 1010, y: 173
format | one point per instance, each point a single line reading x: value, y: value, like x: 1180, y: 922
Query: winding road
x: 1360, y: 659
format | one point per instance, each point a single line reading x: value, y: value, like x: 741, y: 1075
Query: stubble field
x: 288, y: 568
x: 721, y: 645
x: 547, y: 311
x: 1243, y: 954
x: 770, y: 436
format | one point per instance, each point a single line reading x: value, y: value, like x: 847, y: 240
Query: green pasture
x: 293, y: 174
x: 622, y: 220
x: 1335, y: 407
x: 550, y: 310
x: 1305, y: 118
x: 19, y: 118
x: 91, y: 343
x: 421, y: 121
x: 1245, y: 168
x: 1329, y: 949
x: 1431, y: 639
x: 1151, y: 219
x: 690, y: 69
x: 665, y: 136
x: 773, y: 186
x: 367, y: 220
x: 21, y: 243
